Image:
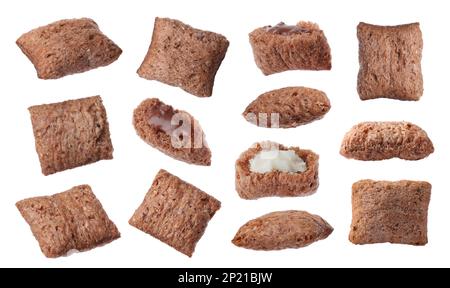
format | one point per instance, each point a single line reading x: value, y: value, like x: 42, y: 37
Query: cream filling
x: 277, y: 160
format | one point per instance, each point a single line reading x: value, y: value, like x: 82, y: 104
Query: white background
x: 121, y: 184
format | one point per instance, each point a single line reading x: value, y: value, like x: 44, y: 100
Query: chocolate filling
x: 160, y: 117
x: 283, y: 29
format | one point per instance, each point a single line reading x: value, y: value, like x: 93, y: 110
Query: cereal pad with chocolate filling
x: 174, y: 132
x: 290, y: 47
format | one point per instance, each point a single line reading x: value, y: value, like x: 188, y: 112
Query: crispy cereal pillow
x: 185, y: 57
x: 67, y: 47
x: 390, y: 62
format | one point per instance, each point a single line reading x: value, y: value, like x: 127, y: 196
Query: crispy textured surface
x: 390, y: 62
x: 276, y: 53
x: 162, y: 141
x: 371, y: 141
x: 282, y: 230
x: 185, y: 57
x: 175, y: 212
x: 71, y: 134
x: 251, y: 185
x: 66, y: 47
x: 394, y: 212
x: 295, y: 106
x: 74, y: 219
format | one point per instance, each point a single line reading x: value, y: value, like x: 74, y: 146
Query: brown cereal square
x: 175, y: 212
x: 390, y: 62
x: 394, y: 212
x: 71, y: 134
x: 67, y: 47
x: 185, y: 57
x: 74, y: 219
